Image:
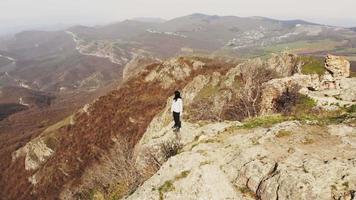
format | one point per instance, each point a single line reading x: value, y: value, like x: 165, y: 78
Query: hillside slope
x: 242, y: 36
x: 110, y: 147
x: 77, y: 154
x: 306, y: 153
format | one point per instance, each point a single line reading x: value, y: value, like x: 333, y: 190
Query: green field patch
x: 304, y: 46
x: 312, y: 65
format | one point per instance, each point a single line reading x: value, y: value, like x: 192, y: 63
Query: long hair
x: 177, y: 95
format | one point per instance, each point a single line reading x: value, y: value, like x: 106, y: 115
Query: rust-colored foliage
x: 123, y: 113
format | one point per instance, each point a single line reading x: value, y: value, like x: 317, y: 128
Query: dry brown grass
x: 84, y: 144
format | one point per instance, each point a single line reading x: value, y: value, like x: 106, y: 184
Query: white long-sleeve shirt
x: 177, y: 106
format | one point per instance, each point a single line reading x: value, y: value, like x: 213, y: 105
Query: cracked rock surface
x: 289, y: 160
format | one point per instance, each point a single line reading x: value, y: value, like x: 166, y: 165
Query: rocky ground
x: 289, y: 160
x: 274, y: 158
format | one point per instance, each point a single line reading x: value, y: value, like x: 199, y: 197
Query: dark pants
x: 177, y: 123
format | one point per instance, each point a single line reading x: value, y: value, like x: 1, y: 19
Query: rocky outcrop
x: 137, y: 63
x: 217, y: 159
x: 276, y: 87
x: 222, y: 160
x: 337, y: 68
x: 334, y: 99
x: 331, y: 91
x: 285, y: 65
x: 35, y: 152
x: 41, y: 148
x: 286, y: 161
x: 173, y: 70
x: 208, y: 96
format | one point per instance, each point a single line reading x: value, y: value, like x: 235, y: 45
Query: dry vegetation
x: 246, y: 102
x: 123, y: 113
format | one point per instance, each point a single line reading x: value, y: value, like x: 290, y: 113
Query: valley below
x: 269, y: 111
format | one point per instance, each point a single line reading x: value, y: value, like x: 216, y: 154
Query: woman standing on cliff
x: 177, y: 110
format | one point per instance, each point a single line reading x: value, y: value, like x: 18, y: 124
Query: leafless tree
x: 246, y: 103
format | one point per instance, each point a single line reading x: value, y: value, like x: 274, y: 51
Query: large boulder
x: 285, y: 64
x: 337, y: 68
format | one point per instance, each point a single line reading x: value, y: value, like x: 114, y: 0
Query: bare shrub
x: 246, y: 103
x: 155, y: 158
x: 170, y: 149
x: 202, y: 110
x: 285, y: 103
x: 292, y: 103
x: 129, y: 174
x: 117, y: 173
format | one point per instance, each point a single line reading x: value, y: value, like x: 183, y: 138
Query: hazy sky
x: 19, y: 12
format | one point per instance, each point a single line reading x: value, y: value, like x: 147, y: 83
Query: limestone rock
x: 333, y: 99
x: 285, y: 64
x: 173, y: 70
x: 337, y: 66
x: 36, y: 153
x: 276, y: 87
x: 346, y: 133
x: 348, y: 89
x: 261, y: 163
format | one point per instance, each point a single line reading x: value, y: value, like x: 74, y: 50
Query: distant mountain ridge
x: 115, y: 45
x: 244, y: 36
x: 61, y: 138
x: 149, y: 19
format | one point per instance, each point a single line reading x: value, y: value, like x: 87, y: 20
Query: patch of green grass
x: 351, y: 109
x: 95, y: 195
x: 194, y: 145
x: 255, y: 141
x: 346, y: 185
x: 304, y: 45
x: 211, y: 140
x: 283, y: 133
x: 208, y: 162
x: 232, y: 129
x: 182, y: 175
x: 333, y: 188
x: 307, y: 141
x: 321, y: 118
x: 118, y: 191
x: 304, y: 105
x: 264, y: 121
x: 166, y: 187
x: 246, y: 191
x: 312, y: 65
x: 303, y: 112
